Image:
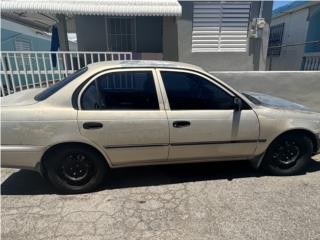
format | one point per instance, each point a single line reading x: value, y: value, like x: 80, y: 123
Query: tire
x: 288, y: 155
x: 75, y: 169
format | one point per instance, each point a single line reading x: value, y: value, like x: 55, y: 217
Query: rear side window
x: 129, y: 90
x: 56, y: 87
x: 188, y: 91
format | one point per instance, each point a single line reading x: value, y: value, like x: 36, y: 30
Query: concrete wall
x: 254, y: 59
x: 170, y: 39
x: 300, y: 87
x: 91, y: 33
x: 92, y: 36
x: 295, y: 31
x: 149, y: 34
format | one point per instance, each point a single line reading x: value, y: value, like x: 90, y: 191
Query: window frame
x: 211, y: 80
x: 221, y: 6
x: 155, y: 80
x: 121, y: 35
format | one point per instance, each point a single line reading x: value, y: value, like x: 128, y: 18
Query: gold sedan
x: 130, y: 113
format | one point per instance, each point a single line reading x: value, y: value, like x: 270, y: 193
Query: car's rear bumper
x: 21, y: 156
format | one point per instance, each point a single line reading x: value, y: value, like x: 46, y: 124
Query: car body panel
x: 129, y: 136
x: 216, y: 135
x: 212, y: 134
x: 22, y: 98
x: 30, y: 128
x: 21, y: 156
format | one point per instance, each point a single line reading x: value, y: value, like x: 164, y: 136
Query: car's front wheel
x: 288, y: 155
x: 75, y: 169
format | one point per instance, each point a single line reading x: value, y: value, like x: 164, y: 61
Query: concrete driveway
x: 197, y: 201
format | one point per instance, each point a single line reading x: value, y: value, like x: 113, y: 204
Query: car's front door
x: 122, y: 112
x: 203, y: 122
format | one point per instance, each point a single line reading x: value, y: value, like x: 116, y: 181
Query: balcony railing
x: 311, y: 62
x: 25, y: 70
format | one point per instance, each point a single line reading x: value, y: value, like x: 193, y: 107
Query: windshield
x: 56, y: 87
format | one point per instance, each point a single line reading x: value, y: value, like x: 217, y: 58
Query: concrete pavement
x: 197, y: 201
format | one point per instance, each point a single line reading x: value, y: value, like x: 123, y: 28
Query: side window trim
x: 163, y: 90
x: 155, y: 79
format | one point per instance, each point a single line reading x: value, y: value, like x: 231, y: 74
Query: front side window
x: 188, y: 91
x: 130, y: 90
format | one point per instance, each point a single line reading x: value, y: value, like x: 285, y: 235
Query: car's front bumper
x: 21, y: 156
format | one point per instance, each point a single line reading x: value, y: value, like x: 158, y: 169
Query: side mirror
x: 237, y: 104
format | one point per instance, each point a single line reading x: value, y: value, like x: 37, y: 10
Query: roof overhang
x: 285, y: 10
x: 94, y: 7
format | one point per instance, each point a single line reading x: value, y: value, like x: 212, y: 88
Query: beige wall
x: 170, y: 39
x: 297, y: 86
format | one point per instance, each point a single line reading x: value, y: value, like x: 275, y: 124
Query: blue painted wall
x: 9, y: 37
x: 313, y: 33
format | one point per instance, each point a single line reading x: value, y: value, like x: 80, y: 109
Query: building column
x: 63, y: 33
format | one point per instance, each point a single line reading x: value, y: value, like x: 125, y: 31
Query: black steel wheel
x: 288, y: 155
x: 75, y: 169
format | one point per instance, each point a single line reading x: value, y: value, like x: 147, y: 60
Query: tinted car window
x: 121, y: 91
x: 188, y: 91
x: 56, y: 87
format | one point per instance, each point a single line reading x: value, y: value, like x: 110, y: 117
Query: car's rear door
x: 122, y: 111
x: 202, y: 120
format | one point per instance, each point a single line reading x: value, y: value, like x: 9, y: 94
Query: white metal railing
x: 24, y: 70
x: 311, y: 62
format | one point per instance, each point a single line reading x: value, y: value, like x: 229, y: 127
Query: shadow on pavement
x: 26, y: 182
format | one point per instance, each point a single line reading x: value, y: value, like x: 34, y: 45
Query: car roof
x: 141, y: 63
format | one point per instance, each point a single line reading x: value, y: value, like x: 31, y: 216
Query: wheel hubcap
x: 286, y: 154
x: 76, y: 168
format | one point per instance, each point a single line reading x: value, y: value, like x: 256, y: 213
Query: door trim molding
x: 187, y: 143
x: 137, y: 145
x: 219, y: 142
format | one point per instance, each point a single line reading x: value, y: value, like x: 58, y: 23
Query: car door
x: 203, y: 122
x: 122, y: 111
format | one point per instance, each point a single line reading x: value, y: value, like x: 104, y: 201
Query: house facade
x: 295, y: 37
x: 216, y: 35
x: 212, y: 34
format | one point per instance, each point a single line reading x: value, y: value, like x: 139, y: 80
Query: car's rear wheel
x: 288, y: 155
x: 75, y: 169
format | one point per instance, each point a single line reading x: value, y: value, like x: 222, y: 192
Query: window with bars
x: 275, y: 40
x: 121, y: 34
x: 220, y: 26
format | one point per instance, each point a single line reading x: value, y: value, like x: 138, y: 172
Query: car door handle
x: 92, y: 125
x: 181, y: 124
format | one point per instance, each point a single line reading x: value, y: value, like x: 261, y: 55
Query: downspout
x: 261, y: 9
x: 263, y: 42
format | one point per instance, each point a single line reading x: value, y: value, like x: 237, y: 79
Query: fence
x: 24, y: 70
x: 311, y: 63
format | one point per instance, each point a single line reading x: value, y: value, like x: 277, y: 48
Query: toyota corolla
x: 133, y: 113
